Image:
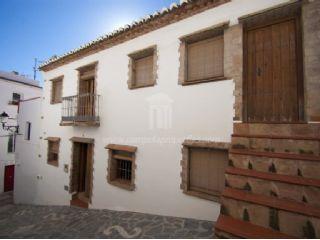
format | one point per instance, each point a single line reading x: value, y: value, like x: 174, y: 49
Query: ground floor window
x: 203, y: 167
x: 53, y: 151
x: 121, y: 166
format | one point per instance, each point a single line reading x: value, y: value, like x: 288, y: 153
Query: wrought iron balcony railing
x: 80, y: 108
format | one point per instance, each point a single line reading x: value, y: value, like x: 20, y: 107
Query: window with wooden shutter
x: 53, y: 150
x: 206, y: 170
x: 121, y: 166
x: 205, y: 59
x: 142, y: 68
x: 202, y: 56
x: 203, y: 167
x: 56, y: 91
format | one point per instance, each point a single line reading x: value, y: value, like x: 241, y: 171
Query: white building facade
x: 14, y: 88
x: 108, y: 142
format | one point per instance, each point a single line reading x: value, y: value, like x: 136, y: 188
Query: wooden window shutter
x: 205, y: 59
x: 207, y: 168
x: 143, y: 70
x: 53, y: 151
x: 56, y: 91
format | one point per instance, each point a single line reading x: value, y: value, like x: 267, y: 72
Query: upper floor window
x: 202, y: 57
x: 27, y: 134
x: 142, y: 72
x: 56, y: 90
x: 11, y: 143
x: 16, y: 97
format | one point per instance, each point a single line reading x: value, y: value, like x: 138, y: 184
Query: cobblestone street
x: 24, y: 221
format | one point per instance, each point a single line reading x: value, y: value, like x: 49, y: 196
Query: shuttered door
x: 86, y: 98
x: 205, y: 59
x: 206, y: 173
x: 272, y: 78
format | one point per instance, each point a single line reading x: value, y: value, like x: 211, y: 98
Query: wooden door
x: 8, y: 178
x: 274, y: 89
x: 81, y: 178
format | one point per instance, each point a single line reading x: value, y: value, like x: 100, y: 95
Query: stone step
x: 6, y: 195
x: 284, y: 137
x: 286, y: 164
x: 6, y: 201
x: 228, y: 227
x: 289, y: 217
x: 295, y: 188
x: 78, y: 203
x: 277, y: 145
x: 291, y: 156
x: 311, y: 130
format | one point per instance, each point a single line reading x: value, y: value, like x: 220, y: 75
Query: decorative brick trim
x: 53, y: 139
x: 173, y: 15
x: 311, y: 53
x: 187, y: 144
x: 82, y: 140
x: 233, y: 64
x: 206, y: 144
x: 140, y: 54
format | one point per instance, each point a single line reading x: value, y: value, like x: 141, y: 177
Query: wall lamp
x: 3, y: 119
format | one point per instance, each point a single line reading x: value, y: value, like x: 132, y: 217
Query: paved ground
x: 23, y: 221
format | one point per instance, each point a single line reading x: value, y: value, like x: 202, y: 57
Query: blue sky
x: 42, y: 28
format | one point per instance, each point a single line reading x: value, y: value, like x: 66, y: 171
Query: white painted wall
x: 28, y: 162
x: 124, y: 114
x: 7, y: 88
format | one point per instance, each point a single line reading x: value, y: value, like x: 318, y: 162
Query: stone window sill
x: 213, y: 79
x: 206, y: 196
x: 122, y: 184
x: 142, y: 86
x: 53, y: 163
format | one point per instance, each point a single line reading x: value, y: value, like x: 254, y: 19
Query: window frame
x: 202, y: 35
x: 12, y: 138
x: 185, y: 164
x: 53, y: 140
x: 138, y: 55
x: 14, y: 101
x: 54, y: 81
x: 27, y: 133
x: 114, y: 156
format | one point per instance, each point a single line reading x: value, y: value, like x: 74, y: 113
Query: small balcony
x: 80, y: 110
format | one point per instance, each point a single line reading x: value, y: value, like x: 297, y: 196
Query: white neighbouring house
x: 149, y: 119
x: 13, y: 89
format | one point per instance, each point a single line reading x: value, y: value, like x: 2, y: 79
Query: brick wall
x: 233, y: 62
